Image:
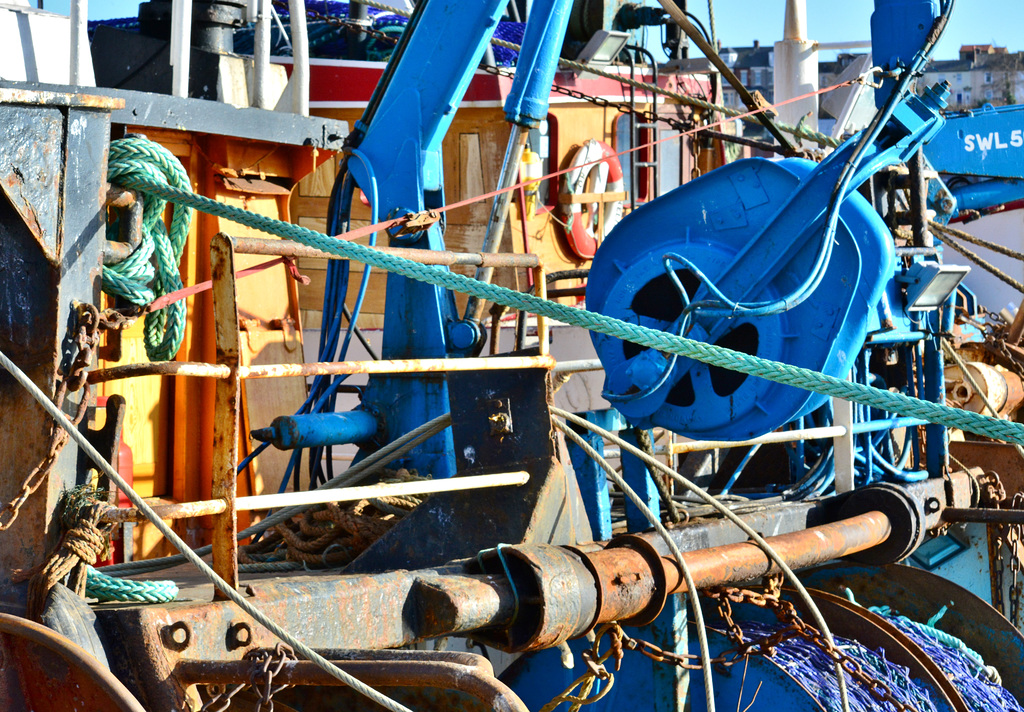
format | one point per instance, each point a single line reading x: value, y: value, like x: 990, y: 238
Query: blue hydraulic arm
x: 395, y: 157
x: 987, y: 146
x: 899, y: 28
x: 396, y: 160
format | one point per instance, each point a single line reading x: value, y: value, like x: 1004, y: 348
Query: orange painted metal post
x: 226, y: 416
x: 541, y: 283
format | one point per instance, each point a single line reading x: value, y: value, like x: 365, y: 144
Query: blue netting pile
x: 809, y: 666
x: 327, y: 41
x: 963, y: 667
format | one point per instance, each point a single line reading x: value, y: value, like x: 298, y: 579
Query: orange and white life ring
x: 606, y: 177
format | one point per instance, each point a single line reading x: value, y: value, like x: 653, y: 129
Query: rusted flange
x: 555, y: 591
x: 658, y: 576
x: 906, y: 521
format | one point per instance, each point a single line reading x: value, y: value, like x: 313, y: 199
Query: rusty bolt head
x: 501, y: 424
x: 239, y: 635
x: 177, y: 636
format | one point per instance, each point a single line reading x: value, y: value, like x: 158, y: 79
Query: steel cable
x: 221, y: 585
x: 728, y: 514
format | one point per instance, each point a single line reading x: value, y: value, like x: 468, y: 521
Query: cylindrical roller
x: 288, y: 432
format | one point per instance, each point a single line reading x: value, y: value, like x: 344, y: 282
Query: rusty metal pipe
x: 163, y: 368
x: 320, y: 496
x: 734, y: 563
x: 287, y: 248
x: 627, y: 582
x: 180, y: 510
x: 425, y: 365
x: 982, y: 515
x: 376, y: 673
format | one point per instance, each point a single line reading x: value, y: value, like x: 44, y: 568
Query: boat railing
x: 261, y: 12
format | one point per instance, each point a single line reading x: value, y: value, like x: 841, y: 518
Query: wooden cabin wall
x: 169, y: 420
x: 473, y: 151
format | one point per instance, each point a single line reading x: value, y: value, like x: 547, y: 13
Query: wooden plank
x: 266, y: 398
x: 319, y: 182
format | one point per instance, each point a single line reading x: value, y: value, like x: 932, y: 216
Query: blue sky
x: 740, y: 22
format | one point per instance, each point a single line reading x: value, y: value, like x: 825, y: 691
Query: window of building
x: 988, y: 94
x: 988, y: 77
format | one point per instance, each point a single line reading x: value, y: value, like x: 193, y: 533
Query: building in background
x: 982, y: 74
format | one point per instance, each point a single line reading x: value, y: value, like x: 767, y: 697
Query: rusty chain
x: 88, y: 321
x: 1006, y: 595
x: 785, y: 612
x: 771, y: 599
x: 266, y: 665
x: 594, y: 660
x: 220, y: 698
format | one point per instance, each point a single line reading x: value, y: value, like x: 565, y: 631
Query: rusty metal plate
x: 45, y: 672
x: 1001, y: 458
x: 31, y: 173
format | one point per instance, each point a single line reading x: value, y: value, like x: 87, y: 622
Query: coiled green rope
x: 135, y: 278
x: 107, y: 588
x: 652, y: 338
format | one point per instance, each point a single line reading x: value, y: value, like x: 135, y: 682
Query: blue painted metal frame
x: 637, y: 476
x: 592, y: 480
x: 898, y: 31
x: 399, y: 143
x: 987, y: 142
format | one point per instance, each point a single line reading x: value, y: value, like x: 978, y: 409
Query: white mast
x: 796, y: 68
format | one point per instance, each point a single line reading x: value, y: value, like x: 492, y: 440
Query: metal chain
x: 1012, y: 536
x: 337, y: 21
x: 87, y: 323
x: 221, y: 697
x: 785, y: 612
x: 266, y: 665
x: 594, y: 660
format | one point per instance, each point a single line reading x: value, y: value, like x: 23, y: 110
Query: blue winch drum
x: 713, y: 221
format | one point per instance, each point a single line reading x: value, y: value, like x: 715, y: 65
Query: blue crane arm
x: 986, y: 146
x: 395, y: 157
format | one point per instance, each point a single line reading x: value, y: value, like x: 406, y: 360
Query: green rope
x: 785, y: 374
x: 135, y: 278
x: 107, y: 588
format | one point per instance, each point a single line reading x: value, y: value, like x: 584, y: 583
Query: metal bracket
x: 415, y: 223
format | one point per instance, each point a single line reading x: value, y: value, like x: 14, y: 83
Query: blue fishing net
x: 814, y: 670
x: 977, y: 683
